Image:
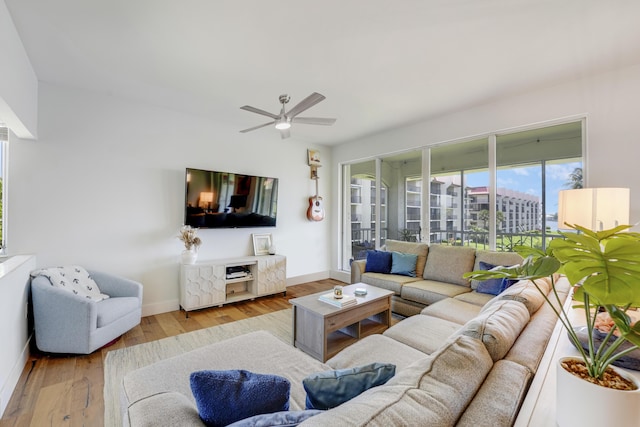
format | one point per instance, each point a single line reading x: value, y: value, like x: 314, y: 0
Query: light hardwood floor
x: 67, y: 390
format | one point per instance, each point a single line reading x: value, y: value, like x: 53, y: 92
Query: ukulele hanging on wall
x: 315, y: 212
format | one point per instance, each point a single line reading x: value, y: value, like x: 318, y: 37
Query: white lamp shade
x: 593, y: 208
x: 206, y: 197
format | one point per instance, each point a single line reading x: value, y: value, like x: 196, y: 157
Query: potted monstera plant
x: 604, y: 268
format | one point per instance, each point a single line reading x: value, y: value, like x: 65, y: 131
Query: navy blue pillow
x: 378, y: 262
x: 490, y: 286
x: 326, y: 390
x: 224, y: 397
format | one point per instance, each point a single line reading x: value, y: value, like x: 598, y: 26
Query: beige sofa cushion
x: 531, y: 343
x: 498, y: 327
x: 260, y: 350
x: 420, y: 249
x: 391, y: 282
x: 424, y: 333
x: 494, y: 258
x: 429, y: 291
x: 498, y: 401
x: 449, y: 263
x: 433, y: 391
x: 475, y: 298
x: 375, y: 348
x: 525, y: 292
x: 163, y: 409
x: 453, y: 310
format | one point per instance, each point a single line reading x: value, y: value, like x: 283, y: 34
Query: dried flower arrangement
x: 189, y: 236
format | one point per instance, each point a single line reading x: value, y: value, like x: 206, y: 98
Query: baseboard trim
x: 343, y: 276
x: 160, y: 307
x: 13, y: 378
x: 297, y: 280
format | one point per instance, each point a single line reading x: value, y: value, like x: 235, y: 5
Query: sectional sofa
x: 459, y: 361
x: 438, y: 275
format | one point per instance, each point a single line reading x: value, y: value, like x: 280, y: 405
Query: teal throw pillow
x: 224, y: 397
x: 378, y: 262
x: 403, y: 264
x: 326, y: 390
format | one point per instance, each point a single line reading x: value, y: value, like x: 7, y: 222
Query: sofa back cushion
x: 419, y: 249
x: 449, y: 263
x: 498, y: 326
x: 494, y: 258
x: 433, y: 391
x: 525, y: 292
x: 500, y: 397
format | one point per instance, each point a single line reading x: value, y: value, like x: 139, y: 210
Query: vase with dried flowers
x: 191, y: 241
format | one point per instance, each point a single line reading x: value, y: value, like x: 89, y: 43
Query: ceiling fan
x: 285, y: 118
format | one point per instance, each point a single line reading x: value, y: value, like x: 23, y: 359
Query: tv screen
x: 229, y: 200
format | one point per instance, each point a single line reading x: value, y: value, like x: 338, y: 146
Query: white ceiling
x: 380, y: 63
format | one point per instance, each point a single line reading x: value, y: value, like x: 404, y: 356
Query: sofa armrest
x: 357, y: 268
x: 116, y: 286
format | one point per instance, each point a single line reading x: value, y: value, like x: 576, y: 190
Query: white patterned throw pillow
x: 73, y: 279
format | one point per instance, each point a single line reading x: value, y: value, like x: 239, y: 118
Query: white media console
x: 217, y: 282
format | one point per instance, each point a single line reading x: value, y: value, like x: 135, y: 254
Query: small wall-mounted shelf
x: 313, y: 171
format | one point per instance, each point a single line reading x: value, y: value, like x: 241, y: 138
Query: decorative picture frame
x: 261, y: 243
x: 313, y: 157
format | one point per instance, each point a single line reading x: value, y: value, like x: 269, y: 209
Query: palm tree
x: 575, y: 179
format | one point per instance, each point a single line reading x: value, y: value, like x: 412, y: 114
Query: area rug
x: 119, y: 362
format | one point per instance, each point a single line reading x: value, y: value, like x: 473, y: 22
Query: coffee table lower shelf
x: 341, y: 339
x: 322, y: 330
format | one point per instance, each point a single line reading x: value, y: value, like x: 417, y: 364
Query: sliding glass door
x: 493, y: 192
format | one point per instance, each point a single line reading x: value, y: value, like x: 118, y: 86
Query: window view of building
x: 363, y: 215
x: 463, y: 207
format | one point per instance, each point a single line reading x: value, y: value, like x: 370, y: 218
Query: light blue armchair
x: 69, y: 323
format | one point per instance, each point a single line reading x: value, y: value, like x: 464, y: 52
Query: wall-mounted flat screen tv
x: 229, y: 200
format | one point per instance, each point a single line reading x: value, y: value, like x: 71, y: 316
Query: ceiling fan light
x: 282, y: 124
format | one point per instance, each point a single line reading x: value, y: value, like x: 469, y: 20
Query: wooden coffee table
x: 321, y: 330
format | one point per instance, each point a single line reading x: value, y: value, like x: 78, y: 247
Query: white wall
x: 103, y: 186
x: 609, y: 101
x: 14, y: 333
x: 18, y: 82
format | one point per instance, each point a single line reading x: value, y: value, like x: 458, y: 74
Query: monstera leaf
x: 534, y: 266
x: 628, y: 331
x: 606, y: 264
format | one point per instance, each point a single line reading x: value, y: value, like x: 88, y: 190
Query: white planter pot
x: 581, y: 403
x: 188, y: 257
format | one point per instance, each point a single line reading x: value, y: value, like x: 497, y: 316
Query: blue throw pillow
x: 326, y: 390
x: 490, y: 286
x: 279, y: 419
x: 224, y: 397
x: 378, y: 262
x: 403, y: 264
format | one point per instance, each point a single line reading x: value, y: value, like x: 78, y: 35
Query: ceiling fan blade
x: 285, y: 133
x: 314, y: 121
x: 259, y: 111
x: 257, y: 127
x: 306, y: 103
